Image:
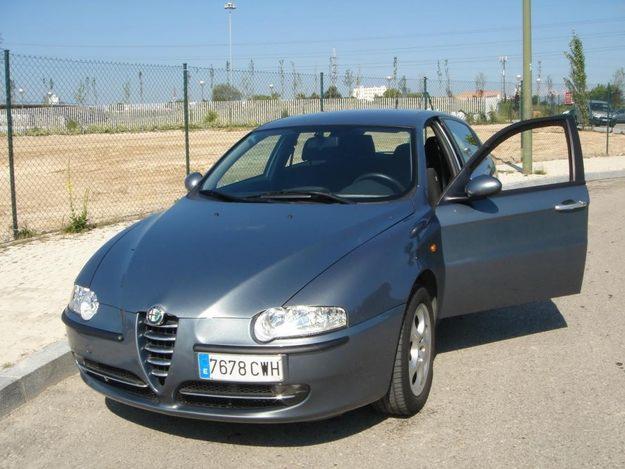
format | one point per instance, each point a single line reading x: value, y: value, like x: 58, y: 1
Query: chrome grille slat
x: 158, y: 361
x: 157, y: 349
x: 157, y: 346
x: 159, y: 337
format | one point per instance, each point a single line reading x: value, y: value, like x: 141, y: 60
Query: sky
x: 365, y: 34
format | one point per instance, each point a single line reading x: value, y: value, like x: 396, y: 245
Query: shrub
x: 72, y: 126
x: 210, y: 117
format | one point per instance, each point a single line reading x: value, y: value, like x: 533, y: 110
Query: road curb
x: 24, y: 381
x: 600, y: 175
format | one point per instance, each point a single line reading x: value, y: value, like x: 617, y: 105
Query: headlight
x: 298, y: 321
x: 84, y: 302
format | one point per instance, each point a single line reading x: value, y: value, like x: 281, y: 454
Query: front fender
x: 378, y: 275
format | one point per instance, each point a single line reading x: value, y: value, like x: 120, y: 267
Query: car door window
x: 465, y: 138
x: 548, y: 150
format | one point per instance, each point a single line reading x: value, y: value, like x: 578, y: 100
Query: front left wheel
x: 412, y: 371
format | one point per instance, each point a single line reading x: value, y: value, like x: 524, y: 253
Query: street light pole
x: 202, y: 88
x: 230, y: 6
x: 526, y: 137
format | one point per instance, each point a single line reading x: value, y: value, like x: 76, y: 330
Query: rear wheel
x: 412, y: 371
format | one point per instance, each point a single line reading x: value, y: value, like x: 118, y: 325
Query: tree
x: 576, y: 81
x: 226, y: 92
x: 618, y: 80
x: 391, y: 93
x: 609, y: 93
x: 332, y: 92
x: 480, y: 84
x: 348, y: 81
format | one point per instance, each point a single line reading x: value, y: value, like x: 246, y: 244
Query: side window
x: 299, y: 147
x: 254, y: 163
x: 464, y: 137
x: 548, y: 150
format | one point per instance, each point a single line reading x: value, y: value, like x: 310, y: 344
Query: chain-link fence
x: 95, y: 142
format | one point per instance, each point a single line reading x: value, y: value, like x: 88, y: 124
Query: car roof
x: 367, y: 117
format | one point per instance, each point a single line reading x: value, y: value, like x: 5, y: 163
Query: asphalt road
x: 538, y: 385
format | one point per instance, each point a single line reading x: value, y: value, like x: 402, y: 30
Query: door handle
x: 567, y: 206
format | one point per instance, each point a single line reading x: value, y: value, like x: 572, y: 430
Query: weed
x: 25, y: 233
x: 72, y: 126
x: 210, y: 117
x: 78, y: 220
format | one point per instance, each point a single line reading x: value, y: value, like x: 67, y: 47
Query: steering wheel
x: 383, y: 178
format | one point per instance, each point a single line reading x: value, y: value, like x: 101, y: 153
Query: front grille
x: 240, y: 396
x: 157, y: 346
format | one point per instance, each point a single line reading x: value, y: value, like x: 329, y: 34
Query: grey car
x: 304, y: 274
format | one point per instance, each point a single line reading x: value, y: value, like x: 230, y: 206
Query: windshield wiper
x: 326, y: 197
x: 221, y: 196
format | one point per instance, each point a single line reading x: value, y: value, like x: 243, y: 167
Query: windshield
x: 601, y: 107
x: 326, y: 164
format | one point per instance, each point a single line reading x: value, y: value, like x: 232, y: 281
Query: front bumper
x: 333, y: 373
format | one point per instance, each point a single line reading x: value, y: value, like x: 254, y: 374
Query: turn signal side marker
x: 433, y: 248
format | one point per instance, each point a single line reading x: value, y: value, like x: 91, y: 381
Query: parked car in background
x: 619, y: 116
x: 304, y: 274
x: 597, y: 114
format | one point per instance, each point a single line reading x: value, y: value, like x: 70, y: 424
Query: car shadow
x: 498, y: 324
x: 271, y: 435
x: 453, y: 334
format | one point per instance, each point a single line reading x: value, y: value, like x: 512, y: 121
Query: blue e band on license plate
x: 241, y: 368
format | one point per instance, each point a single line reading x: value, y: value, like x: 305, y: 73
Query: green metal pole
x: 425, y: 92
x: 7, y: 84
x: 526, y: 137
x: 185, y: 85
x: 321, y: 89
x: 607, y: 124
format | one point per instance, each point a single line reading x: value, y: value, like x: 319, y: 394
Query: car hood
x: 205, y: 258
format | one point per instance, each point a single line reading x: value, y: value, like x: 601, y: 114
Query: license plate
x: 241, y: 368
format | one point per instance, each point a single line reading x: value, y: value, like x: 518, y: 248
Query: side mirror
x: 192, y: 180
x: 482, y: 186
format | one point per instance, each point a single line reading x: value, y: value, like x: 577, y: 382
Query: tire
x: 412, y: 378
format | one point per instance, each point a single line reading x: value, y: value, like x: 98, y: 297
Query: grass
x: 102, y: 129
x: 540, y: 171
x: 6, y: 365
x: 25, y: 233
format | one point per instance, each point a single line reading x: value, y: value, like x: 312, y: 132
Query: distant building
x: 479, y: 94
x: 368, y: 93
x: 51, y: 99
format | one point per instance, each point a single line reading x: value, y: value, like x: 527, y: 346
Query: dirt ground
x: 129, y: 174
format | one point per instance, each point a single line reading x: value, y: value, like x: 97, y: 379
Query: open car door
x: 527, y: 240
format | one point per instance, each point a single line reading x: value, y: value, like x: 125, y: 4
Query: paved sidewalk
x: 36, y: 279
x: 595, y: 168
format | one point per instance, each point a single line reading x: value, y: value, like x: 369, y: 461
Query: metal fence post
x: 321, y: 89
x: 607, y: 124
x: 425, y: 92
x: 7, y: 84
x: 185, y: 85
